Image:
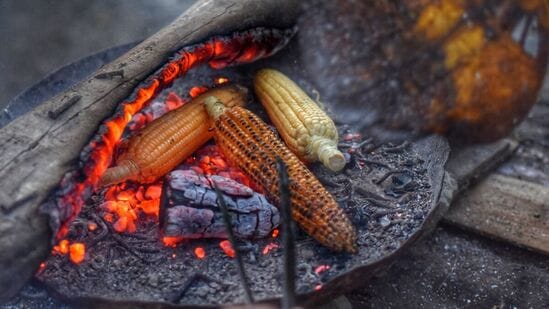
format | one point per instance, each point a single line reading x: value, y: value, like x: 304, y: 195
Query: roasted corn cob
x: 305, y: 128
x: 170, y: 139
x: 251, y: 145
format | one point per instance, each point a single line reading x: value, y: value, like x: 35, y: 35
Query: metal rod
x: 288, y: 301
x: 232, y: 240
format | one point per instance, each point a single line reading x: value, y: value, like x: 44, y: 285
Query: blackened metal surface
x: 389, y: 191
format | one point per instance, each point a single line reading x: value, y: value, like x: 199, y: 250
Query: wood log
x: 189, y: 207
x: 40, y: 147
x: 468, y: 164
x: 507, y: 209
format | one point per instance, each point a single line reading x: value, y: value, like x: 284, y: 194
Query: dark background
x: 38, y: 36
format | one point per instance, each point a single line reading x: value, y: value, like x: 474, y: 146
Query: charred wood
x: 191, y: 208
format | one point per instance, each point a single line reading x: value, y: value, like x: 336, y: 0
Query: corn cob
x: 252, y: 146
x: 305, y: 128
x: 170, y: 139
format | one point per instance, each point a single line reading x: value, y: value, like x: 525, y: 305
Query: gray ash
x: 139, y: 267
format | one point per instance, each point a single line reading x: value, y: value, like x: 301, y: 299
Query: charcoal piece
x: 190, y: 208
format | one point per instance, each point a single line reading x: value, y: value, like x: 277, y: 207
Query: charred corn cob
x: 305, y: 128
x: 170, y: 139
x: 251, y: 145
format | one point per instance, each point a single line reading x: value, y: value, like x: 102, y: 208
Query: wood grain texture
x: 507, y: 209
x: 36, y: 150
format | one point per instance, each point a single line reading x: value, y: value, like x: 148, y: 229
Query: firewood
x: 190, y: 208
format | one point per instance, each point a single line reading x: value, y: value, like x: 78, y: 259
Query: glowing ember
x: 77, y: 252
x: 109, y: 218
x: 197, y: 90
x: 92, y: 226
x: 171, y: 241
x: 270, y: 247
x: 200, y: 252
x: 221, y: 80
x: 210, y: 161
x: 62, y: 248
x: 123, y: 206
x: 153, y: 192
x: 321, y: 268
x: 318, y: 287
x: 219, y: 52
x: 275, y: 233
x: 226, y: 246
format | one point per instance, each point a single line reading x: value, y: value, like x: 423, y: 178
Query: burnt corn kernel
x: 313, y: 207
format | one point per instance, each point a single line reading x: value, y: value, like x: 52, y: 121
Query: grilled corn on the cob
x: 170, y: 139
x: 251, y: 145
x: 303, y: 125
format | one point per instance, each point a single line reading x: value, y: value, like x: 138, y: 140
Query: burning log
x: 190, y: 208
x: 29, y: 141
x: 219, y: 52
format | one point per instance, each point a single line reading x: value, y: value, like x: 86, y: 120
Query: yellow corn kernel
x: 248, y: 143
x: 305, y: 128
x: 167, y: 141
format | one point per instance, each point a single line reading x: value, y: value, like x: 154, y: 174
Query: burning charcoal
x: 190, y: 209
x: 150, y: 156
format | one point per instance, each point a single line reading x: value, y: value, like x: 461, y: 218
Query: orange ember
x: 200, y: 252
x: 226, y: 246
x: 123, y: 207
x: 275, y: 233
x: 210, y: 161
x: 197, y: 90
x: 270, y: 247
x: 221, y: 80
x: 153, y: 192
x: 77, y: 253
x: 92, y: 226
x: 62, y: 248
x: 173, y: 101
x: 171, y: 241
x: 42, y: 267
x: 321, y: 268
